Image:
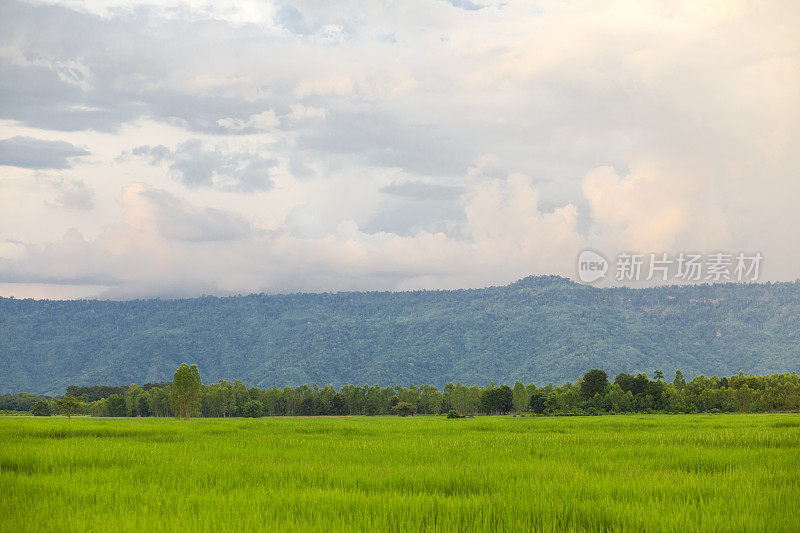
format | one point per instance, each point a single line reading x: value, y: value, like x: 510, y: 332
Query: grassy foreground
x: 709, y: 473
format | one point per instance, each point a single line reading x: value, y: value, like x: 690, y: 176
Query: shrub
x: 253, y: 409
x: 453, y: 414
x: 404, y: 409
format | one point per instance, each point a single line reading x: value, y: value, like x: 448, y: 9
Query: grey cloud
x: 292, y: 19
x: 407, y: 218
x: 418, y: 190
x: 155, y: 154
x: 312, y: 18
x: 28, y: 152
x: 196, y: 166
x: 414, y: 206
x: 202, y: 113
x: 128, y: 69
x: 39, y: 97
x: 379, y: 138
x: 465, y: 4
x: 299, y: 168
x: 77, y: 71
x: 180, y: 222
x: 75, y: 195
x: 549, y: 95
x: 42, y: 86
x: 81, y: 71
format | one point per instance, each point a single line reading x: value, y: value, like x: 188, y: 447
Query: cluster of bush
x: 593, y: 393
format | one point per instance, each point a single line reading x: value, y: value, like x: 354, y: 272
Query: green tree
x: 679, y: 382
x: 505, y: 399
x: 338, y: 404
x: 404, y: 409
x: 132, y: 396
x: 116, y: 405
x: 186, y: 385
x: 306, y: 407
x: 497, y: 399
x: 253, y: 409
x: 372, y: 401
x: 537, y: 402
x: 520, y: 397
x: 618, y: 401
x: 658, y: 375
x: 594, y: 382
x: 640, y: 384
x: 158, y: 400
x: 42, y: 408
x: 142, y: 406
x: 68, y: 405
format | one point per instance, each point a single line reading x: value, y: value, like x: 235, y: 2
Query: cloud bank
x: 181, y: 148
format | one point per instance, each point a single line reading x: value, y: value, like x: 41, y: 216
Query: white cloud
x: 300, y: 112
x: 261, y: 121
x: 340, y: 85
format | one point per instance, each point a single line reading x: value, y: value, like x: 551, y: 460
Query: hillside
x: 539, y: 329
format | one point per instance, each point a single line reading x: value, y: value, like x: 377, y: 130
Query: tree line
x: 592, y: 394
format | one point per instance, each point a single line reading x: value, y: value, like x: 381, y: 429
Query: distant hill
x: 539, y: 329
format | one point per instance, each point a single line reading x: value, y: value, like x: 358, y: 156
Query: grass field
x: 709, y: 473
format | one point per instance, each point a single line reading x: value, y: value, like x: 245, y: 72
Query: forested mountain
x: 539, y: 329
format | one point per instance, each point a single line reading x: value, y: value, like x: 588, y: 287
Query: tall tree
x: 68, y: 405
x: 594, y: 382
x: 497, y: 399
x: 537, y: 402
x: 520, y: 397
x: 132, y: 396
x: 186, y: 386
x: 116, y: 406
x: 338, y: 404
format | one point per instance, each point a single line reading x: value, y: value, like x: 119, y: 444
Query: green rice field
x: 625, y: 473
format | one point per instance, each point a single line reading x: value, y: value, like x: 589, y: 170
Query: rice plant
x: 655, y: 473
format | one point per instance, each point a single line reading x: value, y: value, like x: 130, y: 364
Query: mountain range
x: 538, y: 329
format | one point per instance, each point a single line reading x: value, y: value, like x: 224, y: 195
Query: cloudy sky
x: 187, y: 148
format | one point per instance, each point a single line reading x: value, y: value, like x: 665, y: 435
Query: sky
x: 173, y: 149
